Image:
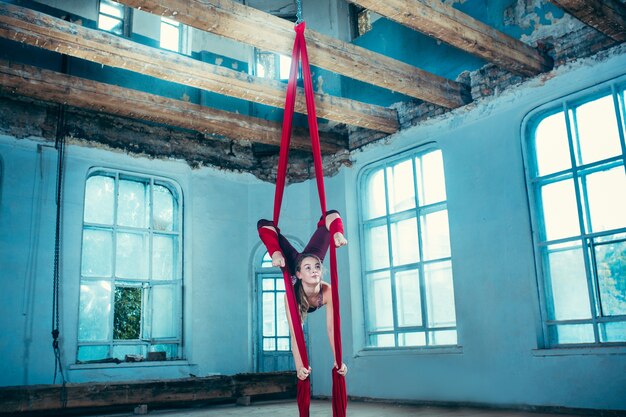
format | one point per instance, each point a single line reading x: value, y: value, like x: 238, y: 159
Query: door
x: 273, y: 339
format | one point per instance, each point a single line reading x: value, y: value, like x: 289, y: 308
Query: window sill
x: 442, y: 350
x: 124, y: 365
x: 580, y: 351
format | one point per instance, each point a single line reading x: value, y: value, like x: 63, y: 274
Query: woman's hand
x: 340, y: 239
x: 303, y: 373
x: 278, y: 259
x: 341, y: 371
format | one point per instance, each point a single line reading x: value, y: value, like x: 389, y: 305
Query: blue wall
x: 498, y: 360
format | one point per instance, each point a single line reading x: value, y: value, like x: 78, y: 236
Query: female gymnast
x: 306, y: 271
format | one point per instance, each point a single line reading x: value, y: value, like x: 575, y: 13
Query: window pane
x: 597, y: 130
x: 571, y: 333
x: 435, y: 235
x: 267, y: 261
x: 282, y: 328
x: 560, y: 214
x: 127, y: 317
x: 382, y: 340
x: 283, y: 344
x: 265, y: 65
x: 408, y: 302
x: 163, y: 249
x: 280, y: 284
x: 268, y: 284
x: 606, y: 191
x: 120, y: 351
x: 412, y: 339
x: 404, y: 242
x: 611, y: 268
x: 269, y: 344
x: 132, y: 207
x: 431, y: 182
x: 375, y: 196
x: 269, y: 323
x: 401, y: 187
x: 285, y: 67
x: 171, y: 350
x: 170, y: 37
x: 551, y: 145
x: 163, y: 210
x: 132, y: 256
x: 376, y: 248
x: 613, y: 332
x: 92, y: 353
x: 439, y: 294
x: 111, y: 8
x: 567, y: 283
x: 379, y: 305
x: 443, y: 337
x: 95, y: 312
x: 110, y: 24
x: 99, y: 199
x: 165, y: 316
x: 97, y: 253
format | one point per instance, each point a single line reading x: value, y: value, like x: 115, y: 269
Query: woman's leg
x: 274, y: 241
x: 320, y: 241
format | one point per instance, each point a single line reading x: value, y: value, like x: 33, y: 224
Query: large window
x: 131, y: 269
x: 578, y: 187
x: 408, y: 287
x: 114, y: 17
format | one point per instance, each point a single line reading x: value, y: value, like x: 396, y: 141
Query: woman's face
x: 310, y: 271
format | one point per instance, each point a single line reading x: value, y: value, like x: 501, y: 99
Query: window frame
x: 127, y: 19
x: 183, y: 34
x: 388, y: 219
x: 577, y: 172
x: 148, y: 284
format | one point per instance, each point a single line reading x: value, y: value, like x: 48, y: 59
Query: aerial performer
x: 305, y: 292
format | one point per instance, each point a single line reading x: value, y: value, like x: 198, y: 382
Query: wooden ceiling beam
x: 438, y: 20
x: 245, y: 24
x: 37, y: 29
x: 607, y: 16
x: 60, y: 88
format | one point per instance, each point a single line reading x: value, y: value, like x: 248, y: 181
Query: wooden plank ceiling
x: 607, y: 16
x: 436, y: 19
x: 230, y: 19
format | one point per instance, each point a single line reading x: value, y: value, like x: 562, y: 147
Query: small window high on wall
x: 131, y: 269
x: 172, y: 35
x: 407, y: 264
x: 577, y: 185
x: 114, y: 17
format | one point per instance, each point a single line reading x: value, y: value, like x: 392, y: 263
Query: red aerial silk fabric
x: 339, y: 401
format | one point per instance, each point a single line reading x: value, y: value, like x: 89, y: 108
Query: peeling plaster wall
x: 499, y: 361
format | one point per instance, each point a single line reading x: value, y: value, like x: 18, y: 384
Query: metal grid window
x: 275, y: 329
x: 577, y: 178
x: 131, y: 269
x: 407, y: 280
x: 114, y: 17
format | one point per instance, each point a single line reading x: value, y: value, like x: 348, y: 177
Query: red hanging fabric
x: 339, y: 396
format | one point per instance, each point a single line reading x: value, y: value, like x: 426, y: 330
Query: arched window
x: 575, y: 154
x: 131, y: 269
x: 407, y: 264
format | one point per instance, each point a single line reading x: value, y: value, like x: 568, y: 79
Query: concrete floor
x: 321, y: 408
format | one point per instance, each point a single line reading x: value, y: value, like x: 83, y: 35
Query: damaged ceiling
x: 32, y: 97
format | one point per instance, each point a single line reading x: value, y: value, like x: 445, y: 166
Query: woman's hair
x: 301, y: 299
